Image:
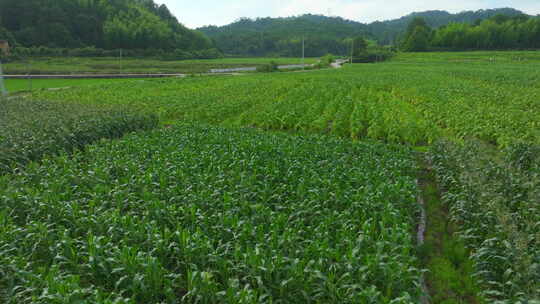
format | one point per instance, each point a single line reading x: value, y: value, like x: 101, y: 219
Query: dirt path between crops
x: 420, y: 237
x: 449, y: 277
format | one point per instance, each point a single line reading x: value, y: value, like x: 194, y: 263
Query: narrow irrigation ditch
x: 449, y: 278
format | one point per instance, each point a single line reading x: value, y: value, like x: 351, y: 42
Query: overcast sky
x: 196, y: 13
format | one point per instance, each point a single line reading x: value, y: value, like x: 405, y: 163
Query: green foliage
x: 449, y: 270
x: 127, y: 24
x: 272, y: 66
x: 202, y: 214
x: 496, y: 204
x: 6, y: 35
x: 32, y: 130
x: 359, y: 46
x: 283, y: 36
x: 418, y: 35
x: 389, y: 32
x: 21, y: 85
x: 414, y: 99
x: 499, y: 32
x: 23, y: 53
x: 374, y: 54
x: 132, y: 65
x: 523, y: 156
x: 326, y: 61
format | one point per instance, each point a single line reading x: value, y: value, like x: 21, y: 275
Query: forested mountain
x: 107, y: 24
x: 283, y: 36
x: 387, y: 32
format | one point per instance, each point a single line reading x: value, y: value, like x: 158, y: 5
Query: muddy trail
x: 449, y: 278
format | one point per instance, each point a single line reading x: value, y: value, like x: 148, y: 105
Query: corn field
x: 35, y: 129
x: 207, y: 215
x: 401, y: 101
x: 277, y: 188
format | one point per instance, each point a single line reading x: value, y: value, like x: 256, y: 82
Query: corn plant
x: 199, y: 214
x: 410, y: 100
x: 32, y: 130
x: 495, y: 201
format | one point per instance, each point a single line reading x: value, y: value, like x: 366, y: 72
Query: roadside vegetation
x: 131, y: 65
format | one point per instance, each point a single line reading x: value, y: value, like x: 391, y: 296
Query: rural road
x: 337, y: 64
x: 252, y: 69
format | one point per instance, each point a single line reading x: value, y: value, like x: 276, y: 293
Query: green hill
x: 283, y: 36
x: 127, y: 24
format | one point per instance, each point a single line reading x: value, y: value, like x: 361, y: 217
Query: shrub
x: 325, y: 61
x: 272, y: 66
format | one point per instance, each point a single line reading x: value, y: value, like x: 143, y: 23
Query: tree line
x: 500, y: 32
x: 387, y: 32
x: 100, y: 24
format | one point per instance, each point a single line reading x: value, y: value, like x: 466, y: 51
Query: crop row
x: 33, y: 129
x: 496, y: 203
x: 412, y: 102
x: 208, y: 215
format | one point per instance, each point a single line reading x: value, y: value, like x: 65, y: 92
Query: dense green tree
x: 283, y: 36
x: 280, y: 36
x: 418, y: 35
x: 360, y: 46
x: 388, y: 32
x: 499, y: 32
x: 6, y: 35
x: 110, y: 24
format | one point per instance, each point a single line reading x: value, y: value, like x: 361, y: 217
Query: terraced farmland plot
x: 410, y: 100
x: 31, y: 130
x: 210, y: 215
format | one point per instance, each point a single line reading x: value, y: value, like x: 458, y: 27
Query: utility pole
x: 28, y: 70
x: 2, y: 87
x: 120, y: 61
x: 303, y: 52
x: 352, y: 50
